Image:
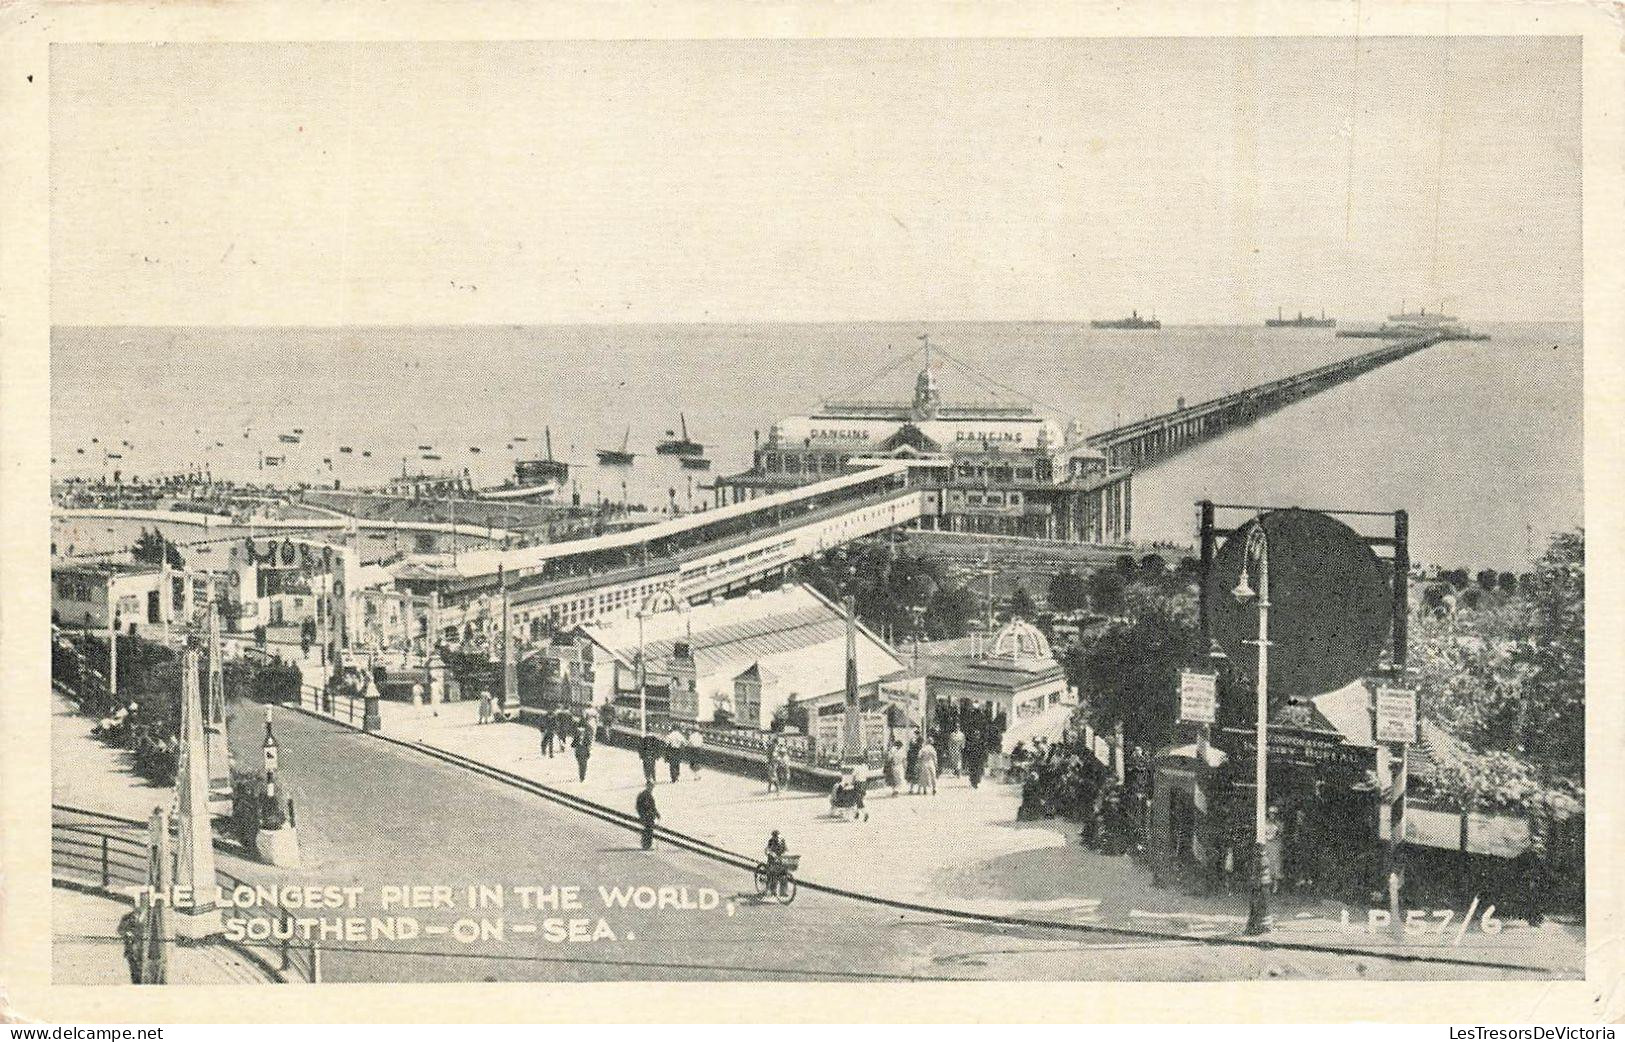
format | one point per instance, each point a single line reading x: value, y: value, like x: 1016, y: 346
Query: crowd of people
x: 675, y: 747
x: 1065, y: 779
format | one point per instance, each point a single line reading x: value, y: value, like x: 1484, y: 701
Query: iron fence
x: 110, y: 854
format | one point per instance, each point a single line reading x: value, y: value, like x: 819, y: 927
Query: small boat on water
x: 680, y: 446
x: 520, y: 437
x: 696, y: 463
x: 618, y: 457
x: 367, y: 453
x: 425, y: 448
x: 299, y: 430
x: 430, y: 456
x: 544, y: 471
x: 288, y: 439
x: 475, y: 449
x: 345, y: 450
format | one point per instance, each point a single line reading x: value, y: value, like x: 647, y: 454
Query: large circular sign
x: 1329, y: 603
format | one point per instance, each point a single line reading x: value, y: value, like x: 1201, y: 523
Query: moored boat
x: 683, y: 445
x: 618, y: 457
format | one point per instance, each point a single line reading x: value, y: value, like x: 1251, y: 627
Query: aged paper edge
x: 26, y: 32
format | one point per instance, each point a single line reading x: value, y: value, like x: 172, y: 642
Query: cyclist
x: 776, y: 849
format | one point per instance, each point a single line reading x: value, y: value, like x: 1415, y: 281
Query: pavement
x: 86, y: 948
x: 375, y: 814
x: 914, y: 836
x: 961, y: 849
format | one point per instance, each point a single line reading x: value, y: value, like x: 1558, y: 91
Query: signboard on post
x: 1396, y: 715
x: 1198, y: 697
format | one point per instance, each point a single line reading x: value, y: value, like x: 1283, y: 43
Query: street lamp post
x: 643, y: 694
x: 1258, y: 548
x: 660, y: 600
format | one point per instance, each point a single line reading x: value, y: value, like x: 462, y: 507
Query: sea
x: 1482, y: 442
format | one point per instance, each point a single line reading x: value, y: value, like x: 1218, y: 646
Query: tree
x: 1509, y: 681
x: 1126, y: 564
x: 1106, y: 590
x: 1153, y: 566
x: 1021, y: 604
x: 1487, y: 578
x: 1067, y: 592
x: 151, y: 548
x: 1130, y: 670
x: 1508, y: 583
x: 1554, y: 653
x: 948, y: 613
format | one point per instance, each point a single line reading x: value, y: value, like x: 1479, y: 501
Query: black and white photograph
x: 857, y: 510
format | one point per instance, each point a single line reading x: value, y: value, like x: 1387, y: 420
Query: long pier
x: 1159, y: 437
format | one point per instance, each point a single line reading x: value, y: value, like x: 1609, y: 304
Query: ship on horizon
x: 1302, y: 321
x: 1421, y: 317
x: 1134, y: 321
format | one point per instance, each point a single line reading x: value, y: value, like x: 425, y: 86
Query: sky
x: 1207, y: 181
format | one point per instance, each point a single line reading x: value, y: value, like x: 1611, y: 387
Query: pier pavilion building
x: 992, y: 468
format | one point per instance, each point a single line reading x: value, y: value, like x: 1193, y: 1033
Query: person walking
x: 975, y: 758
x: 648, y: 813
x: 1273, y: 845
x: 895, y: 758
x: 927, y: 769
x: 911, y: 770
x: 485, y: 707
x: 956, y: 750
x: 696, y: 745
x: 649, y: 753
x: 132, y: 930
x: 583, y: 753
x: 674, y: 751
x: 547, y: 733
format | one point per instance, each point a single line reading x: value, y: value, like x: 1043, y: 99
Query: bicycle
x: 775, y: 879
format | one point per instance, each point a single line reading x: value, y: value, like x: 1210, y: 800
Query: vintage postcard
x: 729, y: 499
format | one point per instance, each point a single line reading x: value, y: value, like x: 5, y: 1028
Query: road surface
x: 374, y: 814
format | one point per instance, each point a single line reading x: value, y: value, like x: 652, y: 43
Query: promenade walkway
x: 898, y: 852
x: 961, y: 849
x: 85, y: 946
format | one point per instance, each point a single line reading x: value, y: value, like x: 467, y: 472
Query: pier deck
x: 1159, y: 437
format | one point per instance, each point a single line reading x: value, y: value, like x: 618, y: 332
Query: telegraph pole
x: 112, y: 645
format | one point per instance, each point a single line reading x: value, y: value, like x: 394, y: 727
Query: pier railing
x: 1158, y: 437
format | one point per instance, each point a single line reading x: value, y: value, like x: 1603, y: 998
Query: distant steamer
x: 1302, y: 321
x: 1134, y: 321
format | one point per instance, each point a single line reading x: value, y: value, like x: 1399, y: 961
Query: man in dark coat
x: 975, y: 756
x: 132, y: 930
x: 649, y: 753
x: 583, y: 752
x: 547, y: 733
x: 648, y: 813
